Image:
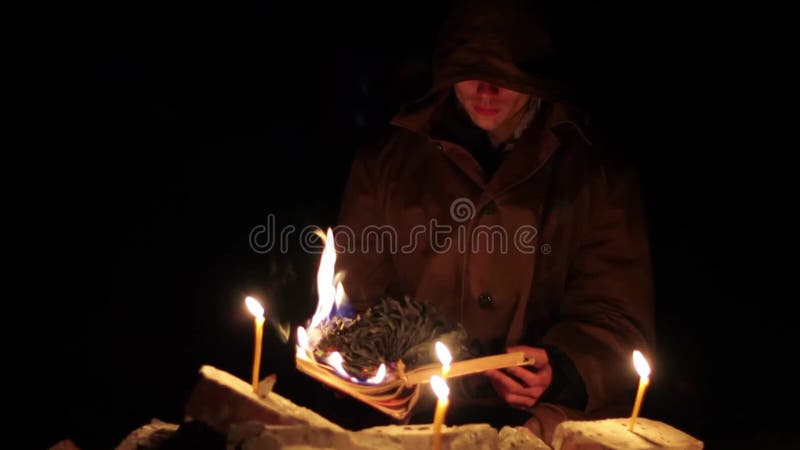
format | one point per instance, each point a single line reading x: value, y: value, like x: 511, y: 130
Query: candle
x: 258, y: 311
x: 644, y: 380
x: 442, y: 392
x: 444, y: 356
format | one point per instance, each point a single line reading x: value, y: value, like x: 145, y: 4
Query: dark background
x: 149, y: 140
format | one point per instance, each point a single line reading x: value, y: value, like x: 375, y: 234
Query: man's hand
x: 521, y: 387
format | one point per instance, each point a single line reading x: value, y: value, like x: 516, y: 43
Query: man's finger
x: 504, y: 382
x: 539, y: 355
x: 527, y: 391
x: 528, y: 378
x: 491, y: 373
x: 519, y: 401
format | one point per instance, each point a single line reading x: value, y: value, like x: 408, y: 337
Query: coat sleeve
x: 607, y: 309
x: 363, y: 258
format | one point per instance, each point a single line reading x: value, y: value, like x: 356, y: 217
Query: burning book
x: 382, y: 356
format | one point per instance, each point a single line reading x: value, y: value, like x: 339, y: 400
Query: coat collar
x: 534, y: 148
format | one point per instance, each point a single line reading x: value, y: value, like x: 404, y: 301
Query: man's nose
x: 485, y: 88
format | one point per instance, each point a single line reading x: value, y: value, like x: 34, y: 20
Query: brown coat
x: 569, y: 262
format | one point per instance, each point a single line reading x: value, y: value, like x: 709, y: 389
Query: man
x: 511, y: 221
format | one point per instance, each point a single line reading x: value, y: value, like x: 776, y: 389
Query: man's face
x: 491, y: 107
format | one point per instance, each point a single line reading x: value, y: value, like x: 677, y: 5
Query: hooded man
x: 488, y: 199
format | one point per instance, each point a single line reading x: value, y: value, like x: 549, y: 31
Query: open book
x: 397, y: 394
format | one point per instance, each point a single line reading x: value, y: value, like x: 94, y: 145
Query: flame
x: 302, y: 341
x: 330, y: 292
x: 641, y: 364
x: 439, y: 387
x: 340, y: 296
x: 335, y: 360
x: 444, y: 355
x: 302, y: 338
x: 325, y: 286
x: 379, y: 375
x: 254, y: 306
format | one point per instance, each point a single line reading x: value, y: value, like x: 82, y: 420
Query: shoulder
x: 575, y: 128
x: 593, y: 162
x: 571, y: 124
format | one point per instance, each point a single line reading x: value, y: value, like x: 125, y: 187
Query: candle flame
x: 444, y: 354
x: 335, y: 360
x: 379, y: 375
x: 641, y: 364
x: 254, y: 306
x: 439, y: 387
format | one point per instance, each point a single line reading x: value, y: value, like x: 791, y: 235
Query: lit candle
x: 258, y: 311
x: 444, y: 356
x: 442, y: 392
x: 644, y: 380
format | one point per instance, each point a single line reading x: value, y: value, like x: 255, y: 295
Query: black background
x: 151, y: 138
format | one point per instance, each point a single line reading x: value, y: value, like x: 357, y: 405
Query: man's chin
x: 486, y: 125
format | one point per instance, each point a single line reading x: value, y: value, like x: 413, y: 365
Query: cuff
x: 567, y: 387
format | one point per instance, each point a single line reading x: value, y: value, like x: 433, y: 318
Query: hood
x: 507, y: 43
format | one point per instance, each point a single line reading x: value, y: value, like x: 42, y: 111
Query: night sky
x: 147, y: 140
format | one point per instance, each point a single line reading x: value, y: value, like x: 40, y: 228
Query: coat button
x: 489, y: 208
x: 485, y: 300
